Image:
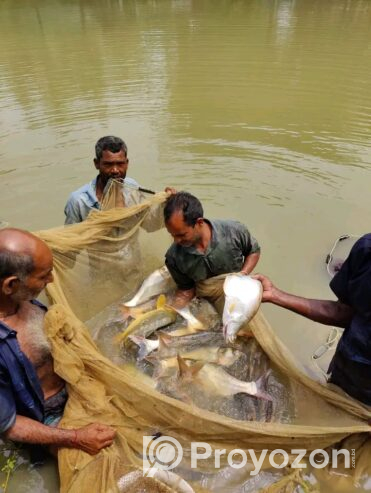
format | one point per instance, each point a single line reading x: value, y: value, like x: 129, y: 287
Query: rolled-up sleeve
x: 248, y: 243
x: 7, y: 404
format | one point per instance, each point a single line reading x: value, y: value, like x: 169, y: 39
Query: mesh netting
x: 96, y: 264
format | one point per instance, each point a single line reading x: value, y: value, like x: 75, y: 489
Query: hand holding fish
x: 270, y: 292
x: 243, y: 296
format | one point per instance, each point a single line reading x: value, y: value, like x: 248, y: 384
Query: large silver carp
x: 159, y: 282
x: 215, y: 381
x: 243, y: 296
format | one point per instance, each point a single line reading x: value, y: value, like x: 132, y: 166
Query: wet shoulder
x: 80, y: 192
x: 174, y: 252
x: 227, y: 227
x: 364, y: 243
x: 131, y: 182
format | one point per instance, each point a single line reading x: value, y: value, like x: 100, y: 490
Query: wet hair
x: 186, y: 203
x: 15, y: 264
x: 110, y: 143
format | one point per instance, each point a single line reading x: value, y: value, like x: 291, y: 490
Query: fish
x: 146, y: 346
x: 135, y: 311
x: 193, y: 323
x: 159, y: 479
x: 159, y: 282
x: 216, y: 381
x: 149, y: 322
x: 243, y: 296
x: 216, y: 355
x: 168, y: 344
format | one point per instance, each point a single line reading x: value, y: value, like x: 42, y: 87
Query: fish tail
x: 261, y: 387
x: 144, y: 346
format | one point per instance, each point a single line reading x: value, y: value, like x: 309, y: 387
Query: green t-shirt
x: 230, y: 244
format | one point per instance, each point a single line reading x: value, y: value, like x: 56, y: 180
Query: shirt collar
x: 6, y: 331
x: 211, y: 245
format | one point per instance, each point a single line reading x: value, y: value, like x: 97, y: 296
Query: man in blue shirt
x: 112, y: 162
x: 32, y: 395
x: 350, y: 367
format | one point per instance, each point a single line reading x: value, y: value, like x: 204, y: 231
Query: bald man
x: 32, y: 396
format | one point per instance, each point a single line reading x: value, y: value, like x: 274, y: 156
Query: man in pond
x: 111, y: 161
x: 204, y: 248
x: 350, y: 367
x: 32, y: 395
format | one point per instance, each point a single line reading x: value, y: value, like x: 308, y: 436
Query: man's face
x: 112, y: 165
x: 35, y: 282
x: 182, y: 233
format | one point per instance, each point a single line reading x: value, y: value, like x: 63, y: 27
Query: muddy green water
x: 260, y: 108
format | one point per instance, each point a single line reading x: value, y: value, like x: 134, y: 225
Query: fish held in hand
x: 243, y: 296
x: 159, y: 282
x: 214, y: 380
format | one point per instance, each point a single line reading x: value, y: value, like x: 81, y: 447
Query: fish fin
x: 184, y: 369
x: 133, y: 312
x: 245, y: 332
x: 151, y: 358
x: 119, y: 338
x: 261, y: 385
x: 232, y: 306
x: 264, y: 396
x: 164, y: 339
x: 195, y: 326
x: 161, y: 301
x: 125, y: 310
x: 188, y: 371
x: 159, y: 371
x: 224, y: 330
x: 180, y: 332
x: 141, y: 342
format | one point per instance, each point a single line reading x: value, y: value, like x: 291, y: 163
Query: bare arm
x: 183, y: 297
x: 326, y: 312
x: 91, y: 438
x: 250, y: 263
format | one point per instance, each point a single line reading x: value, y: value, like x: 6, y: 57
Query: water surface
x: 261, y: 108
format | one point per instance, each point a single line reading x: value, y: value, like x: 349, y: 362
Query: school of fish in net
x: 187, y: 355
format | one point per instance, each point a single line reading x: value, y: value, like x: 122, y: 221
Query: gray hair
x: 110, y: 143
x: 15, y: 264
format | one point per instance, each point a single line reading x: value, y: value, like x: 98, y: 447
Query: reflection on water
x: 261, y: 108
x: 223, y: 95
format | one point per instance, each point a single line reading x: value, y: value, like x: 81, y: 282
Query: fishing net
x: 96, y: 264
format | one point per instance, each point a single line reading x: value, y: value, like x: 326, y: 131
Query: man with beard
x: 32, y: 395
x: 204, y: 248
x: 111, y: 160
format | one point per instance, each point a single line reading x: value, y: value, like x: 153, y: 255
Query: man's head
x: 184, y: 220
x: 26, y: 265
x: 111, y: 158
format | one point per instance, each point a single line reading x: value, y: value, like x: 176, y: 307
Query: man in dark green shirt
x: 203, y: 248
